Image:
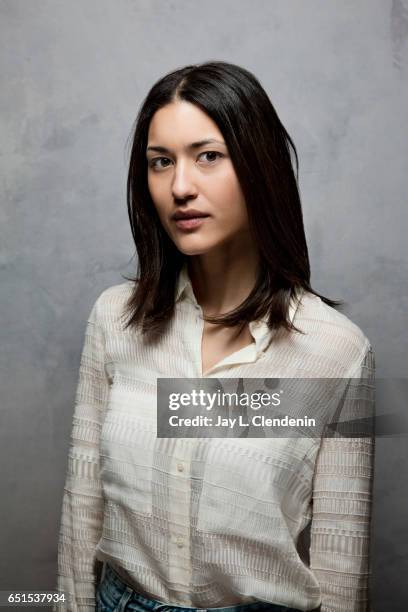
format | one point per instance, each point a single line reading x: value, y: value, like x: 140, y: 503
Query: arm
x: 342, y: 505
x: 82, y: 505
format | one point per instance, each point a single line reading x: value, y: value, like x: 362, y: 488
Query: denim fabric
x: 113, y: 595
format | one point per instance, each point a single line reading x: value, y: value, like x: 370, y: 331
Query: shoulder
x: 330, y: 333
x: 108, y: 308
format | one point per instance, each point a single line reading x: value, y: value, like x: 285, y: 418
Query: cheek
x: 154, y: 189
x: 229, y: 201
x: 159, y: 197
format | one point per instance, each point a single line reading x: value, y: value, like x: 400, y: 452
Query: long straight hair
x: 260, y: 151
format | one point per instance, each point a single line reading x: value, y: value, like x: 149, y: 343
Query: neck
x: 222, y: 281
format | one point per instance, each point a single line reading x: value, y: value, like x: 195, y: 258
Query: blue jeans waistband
x: 113, y: 594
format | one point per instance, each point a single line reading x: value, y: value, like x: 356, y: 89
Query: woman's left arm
x: 342, y: 504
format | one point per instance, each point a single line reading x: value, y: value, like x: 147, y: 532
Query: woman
x: 223, y: 291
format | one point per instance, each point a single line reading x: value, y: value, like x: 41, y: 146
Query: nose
x: 183, y: 184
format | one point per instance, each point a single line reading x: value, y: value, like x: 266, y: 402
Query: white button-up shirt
x: 214, y: 522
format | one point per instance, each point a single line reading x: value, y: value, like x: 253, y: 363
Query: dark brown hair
x: 260, y: 151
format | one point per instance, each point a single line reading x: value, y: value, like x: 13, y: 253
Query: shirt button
x: 180, y: 467
x: 180, y: 542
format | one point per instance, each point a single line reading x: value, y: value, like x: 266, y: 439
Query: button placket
x: 179, y: 509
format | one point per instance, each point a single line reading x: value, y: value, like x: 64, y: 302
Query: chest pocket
x: 251, y: 488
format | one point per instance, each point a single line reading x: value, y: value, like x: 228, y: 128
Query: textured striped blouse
x: 214, y: 522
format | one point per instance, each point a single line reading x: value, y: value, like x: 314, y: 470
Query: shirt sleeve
x: 82, y: 505
x: 342, y: 504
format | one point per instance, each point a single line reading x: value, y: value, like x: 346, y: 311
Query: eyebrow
x: 193, y: 145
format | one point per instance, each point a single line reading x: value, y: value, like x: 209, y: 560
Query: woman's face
x: 185, y: 174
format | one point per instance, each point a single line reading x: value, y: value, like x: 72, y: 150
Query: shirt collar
x: 259, y: 328
x: 184, y: 285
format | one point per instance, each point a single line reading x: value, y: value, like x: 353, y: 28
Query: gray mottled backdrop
x: 73, y: 75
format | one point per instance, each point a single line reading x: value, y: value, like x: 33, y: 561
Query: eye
x: 212, y: 153
x: 154, y: 162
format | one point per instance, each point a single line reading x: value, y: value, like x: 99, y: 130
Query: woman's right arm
x: 82, y: 505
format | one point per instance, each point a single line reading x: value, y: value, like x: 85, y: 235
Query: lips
x: 192, y: 214
x: 188, y: 223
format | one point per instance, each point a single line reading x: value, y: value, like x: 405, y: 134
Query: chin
x: 192, y: 246
x: 191, y: 252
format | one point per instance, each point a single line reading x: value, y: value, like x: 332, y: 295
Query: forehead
x: 180, y: 122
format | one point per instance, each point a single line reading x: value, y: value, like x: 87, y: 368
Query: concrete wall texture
x: 73, y: 75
